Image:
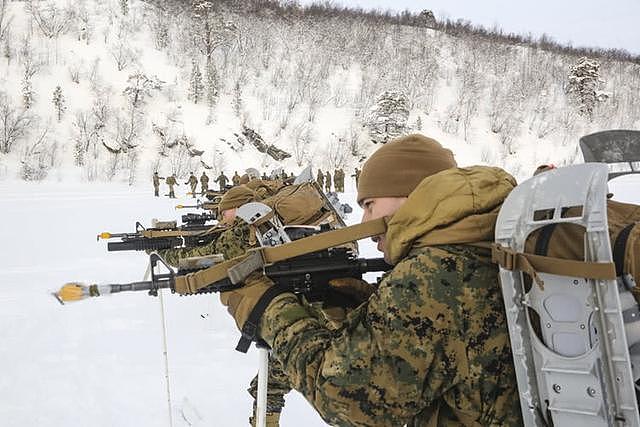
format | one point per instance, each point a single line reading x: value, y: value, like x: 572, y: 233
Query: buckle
x: 502, y: 256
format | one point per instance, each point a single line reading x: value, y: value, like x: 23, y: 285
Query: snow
x: 100, y: 362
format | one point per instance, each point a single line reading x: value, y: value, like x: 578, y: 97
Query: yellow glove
x: 241, y: 302
x: 356, y: 288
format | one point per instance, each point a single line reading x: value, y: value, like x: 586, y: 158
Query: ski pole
x: 263, y: 373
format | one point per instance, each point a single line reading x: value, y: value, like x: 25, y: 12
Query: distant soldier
x: 338, y: 180
x: 264, y: 176
x: 320, y: 178
x: 356, y: 175
x: 204, y: 182
x: 283, y: 175
x: 222, y: 180
x: 171, y: 181
x: 156, y: 184
x: 235, y: 179
x: 327, y: 182
x: 193, y: 182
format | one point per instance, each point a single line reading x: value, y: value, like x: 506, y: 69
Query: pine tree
x: 196, y: 86
x: 584, y: 85
x: 212, y: 89
x: 388, y: 118
x: 59, y: 102
x: 124, y: 7
x: 28, y: 96
x: 237, y: 99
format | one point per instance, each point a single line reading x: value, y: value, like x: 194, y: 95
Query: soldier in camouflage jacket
x: 430, y: 347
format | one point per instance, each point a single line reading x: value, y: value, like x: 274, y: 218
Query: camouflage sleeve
x: 230, y: 243
x: 394, y: 356
x: 173, y: 256
x: 233, y: 242
x: 277, y: 386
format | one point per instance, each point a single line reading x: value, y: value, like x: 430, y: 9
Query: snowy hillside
x: 146, y: 86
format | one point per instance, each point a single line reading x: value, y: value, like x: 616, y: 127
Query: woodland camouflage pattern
x: 430, y: 347
x: 231, y: 243
x: 423, y: 351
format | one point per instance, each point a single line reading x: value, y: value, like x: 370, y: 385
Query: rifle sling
x: 237, y: 269
x: 250, y: 328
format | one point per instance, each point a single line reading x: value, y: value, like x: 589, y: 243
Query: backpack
x: 302, y: 204
x: 566, y: 241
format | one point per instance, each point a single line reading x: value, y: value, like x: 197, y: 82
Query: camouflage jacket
x: 429, y: 348
x: 230, y: 243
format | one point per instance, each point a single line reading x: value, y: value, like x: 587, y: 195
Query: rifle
x: 165, y: 235
x: 210, y: 206
x: 306, y: 275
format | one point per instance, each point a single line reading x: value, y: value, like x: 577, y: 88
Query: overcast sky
x: 583, y: 23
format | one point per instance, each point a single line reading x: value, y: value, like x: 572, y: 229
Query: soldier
x: 320, y: 179
x: 171, y: 181
x: 204, y: 183
x: 327, y: 181
x: 431, y: 345
x: 193, y: 182
x: 156, y: 184
x: 356, y: 175
x: 264, y: 176
x: 222, y: 180
x: 336, y: 180
x: 235, y: 179
x: 283, y: 175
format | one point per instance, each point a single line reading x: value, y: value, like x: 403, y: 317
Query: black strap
x: 620, y: 248
x: 542, y: 244
x: 250, y: 327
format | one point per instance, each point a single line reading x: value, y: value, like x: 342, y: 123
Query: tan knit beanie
x: 397, y: 167
x: 244, y: 179
x: 236, y: 197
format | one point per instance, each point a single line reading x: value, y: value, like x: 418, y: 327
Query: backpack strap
x: 531, y: 264
x: 620, y: 248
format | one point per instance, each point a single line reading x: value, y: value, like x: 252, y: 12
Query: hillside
x: 146, y: 87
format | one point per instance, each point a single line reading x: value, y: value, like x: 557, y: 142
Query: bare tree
x: 51, y: 19
x: 37, y: 158
x: 14, y: 123
x: 5, y: 20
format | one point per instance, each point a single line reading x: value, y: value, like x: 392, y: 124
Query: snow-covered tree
x: 5, y: 19
x: 59, y: 102
x: 139, y: 87
x: 124, y: 7
x: 14, y: 123
x: 387, y: 119
x: 196, y: 86
x: 427, y: 19
x: 584, y: 84
x: 210, y: 32
x: 28, y: 95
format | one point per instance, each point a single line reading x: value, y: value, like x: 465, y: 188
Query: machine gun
x: 164, y: 235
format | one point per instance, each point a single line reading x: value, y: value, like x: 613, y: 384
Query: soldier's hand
x: 356, y: 288
x: 240, y: 302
